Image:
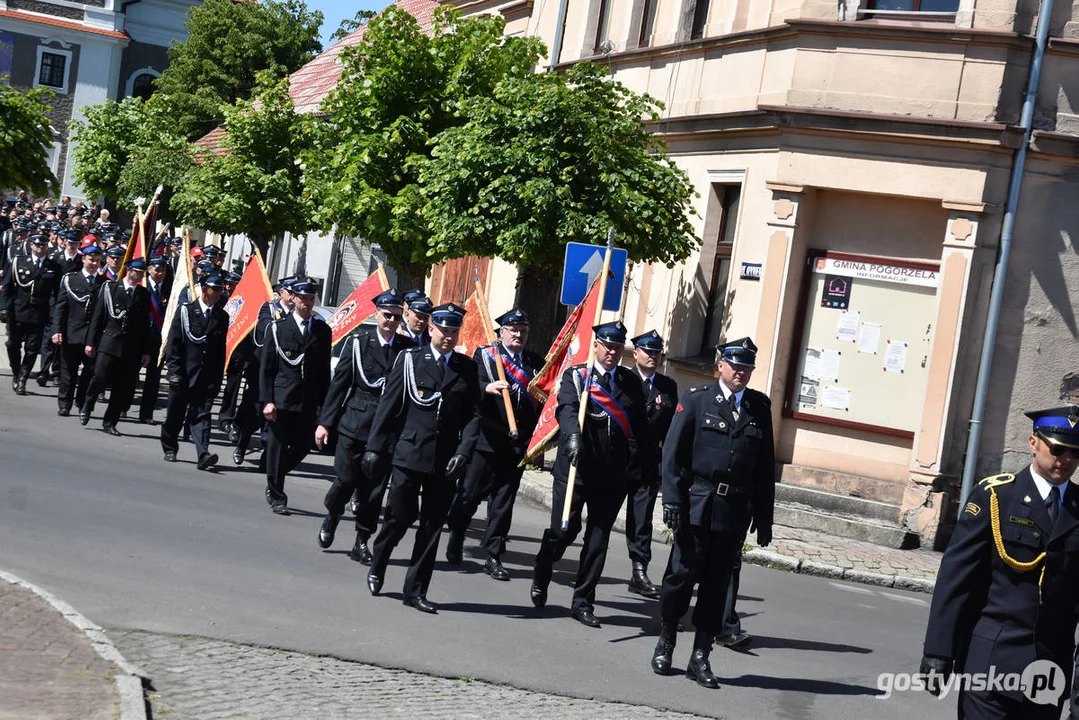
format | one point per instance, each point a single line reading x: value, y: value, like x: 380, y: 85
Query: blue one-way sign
x: 584, y: 263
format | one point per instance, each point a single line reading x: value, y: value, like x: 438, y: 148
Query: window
x: 885, y: 7
x: 648, y: 23
x: 601, y: 25
x: 143, y: 87
x: 729, y: 197
x: 700, y: 19
x: 52, y: 70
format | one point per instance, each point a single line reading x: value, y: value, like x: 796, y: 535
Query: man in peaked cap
x: 349, y: 408
x: 660, y: 398
x: 29, y: 288
x: 718, y: 481
x: 159, y: 284
x: 417, y: 317
x: 425, y: 427
x: 71, y: 316
x: 600, y: 449
x: 293, y: 376
x: 114, y: 258
x: 494, y: 471
x: 1008, y: 585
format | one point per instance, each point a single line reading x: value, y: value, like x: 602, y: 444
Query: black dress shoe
x: 111, y: 430
x: 84, y: 416
x: 585, y: 617
x: 42, y: 380
x: 640, y: 584
x: 148, y: 421
x: 421, y: 604
x: 360, y: 552
x: 234, y: 435
x: 493, y: 567
x: 701, y: 670
x: 206, y: 461
x: 455, y: 548
x: 664, y: 652
x: 374, y: 583
x: 170, y: 456
x: 20, y: 389
x: 326, y: 532
x: 737, y: 641
x: 269, y: 497
x: 538, y: 594
x: 64, y: 412
x: 279, y: 508
x: 238, y: 455
x: 15, y: 382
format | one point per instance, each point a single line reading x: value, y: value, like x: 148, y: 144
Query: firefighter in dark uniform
x: 293, y: 377
x: 494, y: 471
x: 160, y: 287
x: 71, y: 315
x: 417, y: 317
x: 239, y: 367
x: 30, y: 286
x: 349, y: 408
x: 120, y: 339
x: 718, y: 480
x: 69, y: 260
x: 114, y: 258
x: 600, y: 450
x: 1008, y: 585
x: 249, y: 412
x: 194, y: 365
x: 425, y: 426
x: 642, y: 486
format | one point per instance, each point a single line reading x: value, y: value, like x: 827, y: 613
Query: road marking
x: 904, y: 598
x: 851, y: 588
x: 871, y: 607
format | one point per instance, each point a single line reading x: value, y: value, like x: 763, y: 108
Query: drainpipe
x: 997, y: 296
x: 560, y: 33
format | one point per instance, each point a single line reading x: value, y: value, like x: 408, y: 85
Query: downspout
x: 996, y: 297
x: 560, y: 33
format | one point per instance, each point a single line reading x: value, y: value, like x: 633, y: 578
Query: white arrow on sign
x: 593, y: 267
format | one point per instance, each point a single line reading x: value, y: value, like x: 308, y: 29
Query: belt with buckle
x: 725, y: 489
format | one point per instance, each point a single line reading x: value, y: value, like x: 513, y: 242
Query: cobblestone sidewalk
x: 48, y: 668
x: 207, y: 679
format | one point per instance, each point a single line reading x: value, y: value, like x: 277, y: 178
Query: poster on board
x: 836, y: 293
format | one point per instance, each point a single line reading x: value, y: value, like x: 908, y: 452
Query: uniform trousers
x: 75, y: 372
x: 496, y: 477
x: 641, y: 492
x: 120, y: 373
x: 994, y: 706
x: 230, y: 398
x: 350, y: 479
x: 248, y: 412
x: 289, y: 442
x: 23, y: 346
x: 50, y: 358
x: 602, y: 488
x: 732, y: 624
x: 703, y: 558
x: 191, y: 406
x: 151, y: 389
x: 404, y: 507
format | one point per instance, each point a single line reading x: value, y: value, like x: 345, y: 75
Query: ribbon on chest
x: 605, y: 401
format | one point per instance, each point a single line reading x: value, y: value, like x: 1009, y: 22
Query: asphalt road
x: 135, y: 543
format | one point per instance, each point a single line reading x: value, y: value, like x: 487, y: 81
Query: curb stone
x: 539, y: 493
x: 129, y: 684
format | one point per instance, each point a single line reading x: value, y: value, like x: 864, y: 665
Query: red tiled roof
x: 65, y: 24
x: 211, y: 141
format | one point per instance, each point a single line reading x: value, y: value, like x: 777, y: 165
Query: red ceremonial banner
x: 472, y: 333
x: 569, y: 348
x: 358, y: 306
x: 245, y: 302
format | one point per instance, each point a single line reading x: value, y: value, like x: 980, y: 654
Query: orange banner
x: 569, y: 348
x: 472, y: 333
x: 245, y: 302
x: 358, y: 306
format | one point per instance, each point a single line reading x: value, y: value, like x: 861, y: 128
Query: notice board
x: 864, y: 343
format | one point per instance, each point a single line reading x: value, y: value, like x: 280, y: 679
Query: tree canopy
x: 229, y: 43
x: 398, y: 90
x: 25, y: 140
x: 349, y: 24
x: 256, y: 187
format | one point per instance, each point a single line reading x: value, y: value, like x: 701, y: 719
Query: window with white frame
x: 53, y: 68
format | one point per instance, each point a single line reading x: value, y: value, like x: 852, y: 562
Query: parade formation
x: 423, y: 433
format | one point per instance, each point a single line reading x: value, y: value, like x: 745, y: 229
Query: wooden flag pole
x: 382, y: 275
x: 485, y: 319
x: 582, y: 412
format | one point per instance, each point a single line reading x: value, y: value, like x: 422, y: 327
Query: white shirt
x: 300, y: 322
x: 438, y: 355
x: 646, y: 380
x: 203, y: 307
x: 88, y: 276
x: 737, y: 404
x: 383, y: 342
x: 128, y: 286
x: 1044, y: 486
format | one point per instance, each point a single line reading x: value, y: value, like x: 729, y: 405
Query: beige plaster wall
x: 1058, y: 92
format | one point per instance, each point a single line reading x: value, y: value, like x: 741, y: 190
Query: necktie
x: 130, y: 293
x: 1053, y: 504
x: 605, y: 381
x: 387, y: 350
x: 207, y: 314
x: 734, y: 405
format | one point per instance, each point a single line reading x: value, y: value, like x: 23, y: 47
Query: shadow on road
x: 814, y: 687
x: 764, y: 641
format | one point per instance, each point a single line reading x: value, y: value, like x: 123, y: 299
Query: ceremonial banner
x: 570, y: 348
x: 472, y: 333
x: 358, y: 306
x: 182, y: 280
x: 245, y: 302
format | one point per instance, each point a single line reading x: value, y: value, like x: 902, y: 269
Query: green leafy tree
x: 255, y: 187
x: 548, y: 159
x: 348, y: 25
x: 229, y: 43
x: 398, y: 90
x: 25, y: 140
x: 102, y: 143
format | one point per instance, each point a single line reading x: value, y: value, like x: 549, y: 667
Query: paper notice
x: 807, y: 393
x: 847, y: 328
x: 869, y: 338
x: 895, y: 356
x: 835, y: 398
x: 811, y: 368
x: 829, y: 365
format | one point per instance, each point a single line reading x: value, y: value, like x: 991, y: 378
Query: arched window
x: 143, y: 87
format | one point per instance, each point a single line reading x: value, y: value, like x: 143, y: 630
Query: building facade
x: 852, y: 163
x: 86, y: 53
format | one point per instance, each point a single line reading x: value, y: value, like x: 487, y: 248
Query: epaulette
x: 996, y: 480
x: 699, y: 388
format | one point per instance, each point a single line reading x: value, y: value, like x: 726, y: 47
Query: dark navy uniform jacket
x: 419, y: 437
x: 987, y: 613
x: 494, y: 430
x: 74, y: 307
x: 300, y: 387
x: 30, y: 289
x: 659, y: 403
x: 197, y: 365
x: 707, y: 449
x: 134, y: 332
x: 350, y: 402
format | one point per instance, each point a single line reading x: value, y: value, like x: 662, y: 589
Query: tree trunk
x: 412, y: 275
x: 261, y: 242
x: 537, y: 295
